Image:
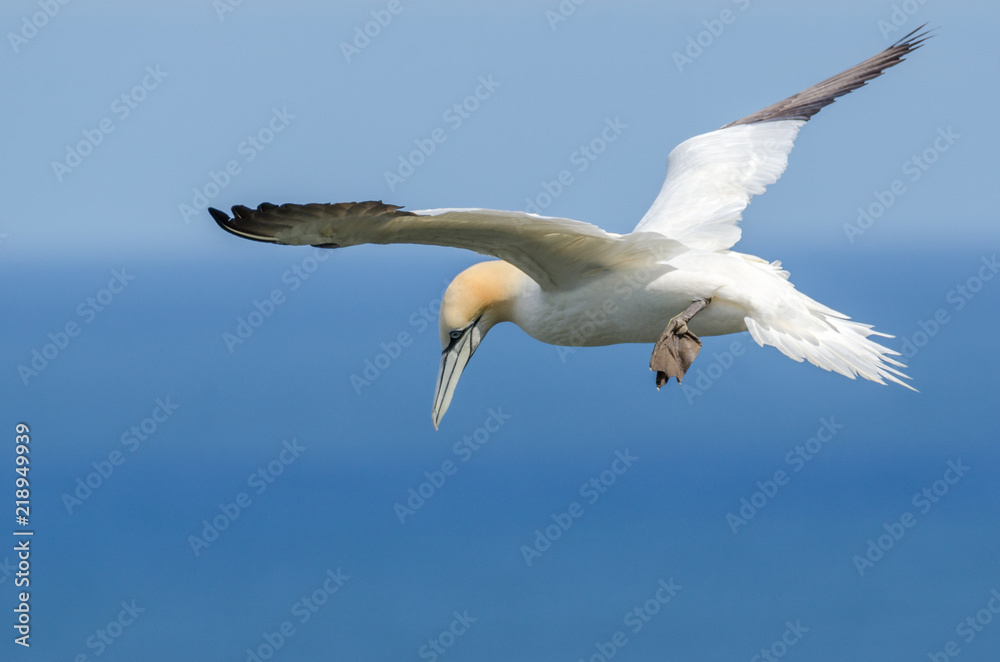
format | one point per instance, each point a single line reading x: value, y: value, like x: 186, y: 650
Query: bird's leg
x: 677, y: 348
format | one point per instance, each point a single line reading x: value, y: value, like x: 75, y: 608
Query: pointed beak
x: 453, y: 361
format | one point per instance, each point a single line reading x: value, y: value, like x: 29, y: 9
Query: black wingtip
x: 913, y: 40
x: 243, y: 223
x: 242, y: 211
x: 220, y: 217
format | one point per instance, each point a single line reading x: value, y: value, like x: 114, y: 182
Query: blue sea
x: 234, y: 460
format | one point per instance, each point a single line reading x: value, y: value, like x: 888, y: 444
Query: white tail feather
x: 833, y: 342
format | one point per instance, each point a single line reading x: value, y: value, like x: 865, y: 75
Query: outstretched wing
x: 711, y: 177
x: 555, y: 252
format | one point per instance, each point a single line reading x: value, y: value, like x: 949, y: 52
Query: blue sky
x: 873, y: 535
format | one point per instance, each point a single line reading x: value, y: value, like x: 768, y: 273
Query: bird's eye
x: 455, y: 335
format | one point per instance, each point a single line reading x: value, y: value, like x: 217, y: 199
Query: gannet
x: 671, y: 280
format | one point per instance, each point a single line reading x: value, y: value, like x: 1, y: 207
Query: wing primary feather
x: 807, y: 103
x: 222, y: 219
x: 268, y: 221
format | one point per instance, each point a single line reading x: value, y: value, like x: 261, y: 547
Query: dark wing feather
x: 808, y: 102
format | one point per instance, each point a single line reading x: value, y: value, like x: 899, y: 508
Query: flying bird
x: 669, y: 281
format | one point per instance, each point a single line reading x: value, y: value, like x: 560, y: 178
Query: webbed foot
x: 677, y: 348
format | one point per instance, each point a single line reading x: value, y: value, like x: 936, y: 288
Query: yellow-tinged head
x: 483, y: 290
x: 479, y: 298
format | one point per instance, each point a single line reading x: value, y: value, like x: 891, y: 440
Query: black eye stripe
x: 453, y: 341
x: 457, y: 334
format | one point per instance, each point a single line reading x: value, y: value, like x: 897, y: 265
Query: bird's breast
x: 624, y: 307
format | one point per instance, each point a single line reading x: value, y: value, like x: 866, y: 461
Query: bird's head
x: 478, y: 298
